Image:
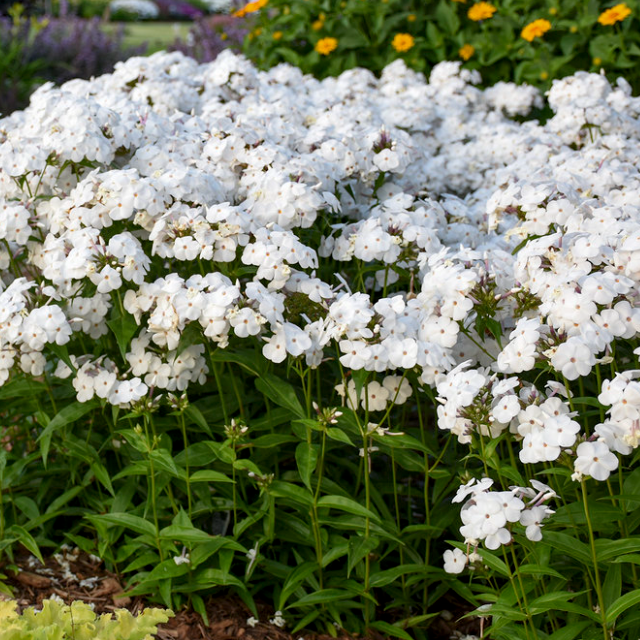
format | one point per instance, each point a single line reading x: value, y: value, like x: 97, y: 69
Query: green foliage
x: 57, y: 621
x: 366, y: 36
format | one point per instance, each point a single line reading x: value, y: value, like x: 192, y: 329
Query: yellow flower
x: 481, y: 11
x: 316, y: 25
x: 325, y: 46
x: 597, y: 62
x: 615, y: 14
x: 553, y: 11
x: 252, y: 7
x: 277, y: 35
x: 535, y: 29
x: 402, y: 42
x: 411, y: 17
x: 573, y: 28
x: 544, y: 75
x: 466, y: 51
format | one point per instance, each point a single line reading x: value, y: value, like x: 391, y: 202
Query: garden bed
x: 262, y: 334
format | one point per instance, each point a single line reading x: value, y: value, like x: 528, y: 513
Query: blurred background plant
x: 37, y: 50
x: 519, y: 40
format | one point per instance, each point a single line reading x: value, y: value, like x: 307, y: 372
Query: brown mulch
x: 74, y: 575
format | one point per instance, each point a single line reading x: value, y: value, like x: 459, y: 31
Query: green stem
x: 183, y: 426
x: 594, y: 557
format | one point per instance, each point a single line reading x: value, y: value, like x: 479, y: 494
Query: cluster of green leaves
x: 285, y: 510
x: 57, y: 621
x: 286, y: 31
x: 19, y: 76
x: 244, y: 486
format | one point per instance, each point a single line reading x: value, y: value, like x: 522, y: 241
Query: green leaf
x: 292, y: 492
x: 209, y: 476
x: 610, y: 549
x: 569, y: 631
x: 632, y: 558
x: 102, y: 475
x: 383, y: 578
x: 123, y: 326
x: 195, y: 415
x: 339, y: 435
x: 447, y: 18
x: 20, y: 388
x: 623, y: 603
x: 65, y: 416
x: 21, y: 535
x: 349, y: 505
x: 493, y: 562
x: 272, y: 440
x: 184, y: 535
x: 323, y: 596
x: 539, y: 570
x: 631, y: 486
x: 559, y: 601
x: 295, y: 578
x: 359, y: 547
x: 612, y: 587
x: 163, y: 461
x: 281, y: 392
x: 166, y: 570
x: 206, y: 578
x: 390, y: 630
x: 127, y: 520
x: 61, y: 500
x: 306, y: 459
x: 569, y: 545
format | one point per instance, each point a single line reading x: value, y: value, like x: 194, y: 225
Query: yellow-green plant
x: 58, y: 621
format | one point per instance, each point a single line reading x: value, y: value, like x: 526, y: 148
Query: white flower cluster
x: 489, y: 515
x: 144, y: 9
x: 409, y: 224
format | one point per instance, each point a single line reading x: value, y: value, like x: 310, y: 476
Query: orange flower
x: 615, y: 14
x: 466, y: 51
x: 402, y: 42
x: 481, y: 11
x: 325, y: 46
x: 252, y: 7
x: 535, y: 29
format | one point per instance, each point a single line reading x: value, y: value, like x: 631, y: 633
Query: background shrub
x: 33, y: 51
x: 497, y: 39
